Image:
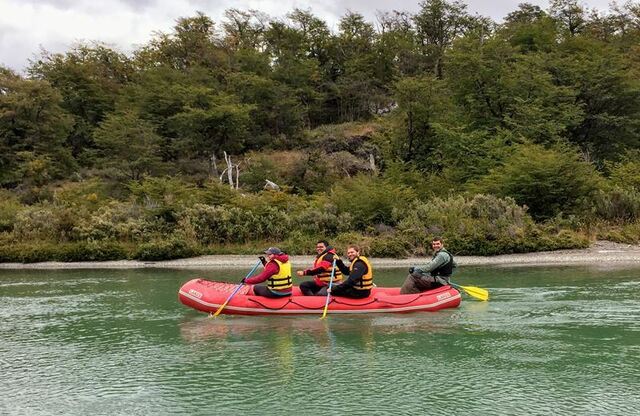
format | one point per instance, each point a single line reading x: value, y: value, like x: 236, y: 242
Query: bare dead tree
x: 229, y: 171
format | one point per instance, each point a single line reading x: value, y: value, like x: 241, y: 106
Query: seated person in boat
x: 321, y: 270
x: 434, y: 274
x: 276, y: 274
x: 360, y: 281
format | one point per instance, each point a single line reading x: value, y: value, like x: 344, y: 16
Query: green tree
x: 423, y: 102
x: 607, y: 91
x: 33, y: 130
x: 274, y: 107
x: 89, y: 78
x: 501, y: 89
x: 292, y: 66
x: 358, y: 89
x: 398, y: 45
x: 438, y: 24
x: 244, y: 29
x: 569, y: 14
x: 210, y: 123
x: 192, y: 43
x: 129, y: 145
x: 530, y: 29
x: 548, y: 181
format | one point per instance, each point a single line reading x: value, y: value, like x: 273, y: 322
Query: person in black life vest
x: 276, y: 274
x: 321, y: 270
x: 360, y: 281
x: 433, y: 275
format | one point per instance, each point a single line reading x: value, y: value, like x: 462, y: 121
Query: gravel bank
x: 600, y: 252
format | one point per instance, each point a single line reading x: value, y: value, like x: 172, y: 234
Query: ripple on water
x: 560, y: 349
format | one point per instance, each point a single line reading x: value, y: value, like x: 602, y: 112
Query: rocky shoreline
x: 601, y: 252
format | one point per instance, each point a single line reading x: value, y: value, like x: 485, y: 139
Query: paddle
x: 237, y: 289
x: 476, y: 292
x: 326, y: 304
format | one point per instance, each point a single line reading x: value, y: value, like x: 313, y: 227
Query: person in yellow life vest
x: 360, y: 281
x: 321, y: 270
x: 276, y: 274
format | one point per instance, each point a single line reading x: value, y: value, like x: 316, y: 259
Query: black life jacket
x: 446, y: 270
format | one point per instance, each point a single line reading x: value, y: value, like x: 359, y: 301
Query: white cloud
x: 55, y: 25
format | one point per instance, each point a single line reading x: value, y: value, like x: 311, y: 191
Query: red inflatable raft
x: 207, y: 296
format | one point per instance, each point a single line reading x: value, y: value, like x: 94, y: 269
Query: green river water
x: 552, y: 340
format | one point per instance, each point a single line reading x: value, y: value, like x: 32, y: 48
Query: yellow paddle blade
x: 476, y: 292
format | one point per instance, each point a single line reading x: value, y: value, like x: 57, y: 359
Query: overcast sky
x: 26, y: 26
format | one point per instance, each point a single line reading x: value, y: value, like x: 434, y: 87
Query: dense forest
x: 226, y: 137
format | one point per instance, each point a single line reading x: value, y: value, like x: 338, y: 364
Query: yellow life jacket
x: 325, y: 276
x: 366, y: 281
x: 282, y: 279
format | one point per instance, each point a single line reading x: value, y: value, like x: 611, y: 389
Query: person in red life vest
x: 360, y: 281
x: 276, y: 274
x: 321, y: 270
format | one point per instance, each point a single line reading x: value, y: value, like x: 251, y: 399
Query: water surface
x: 552, y: 340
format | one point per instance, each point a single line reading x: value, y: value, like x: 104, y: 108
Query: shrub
x: 390, y: 246
x: 370, y: 200
x: 27, y: 253
x: 172, y: 248
x: 45, y: 222
x: 548, y: 181
x: 342, y: 240
x: 9, y: 208
x: 221, y: 224
x: 482, y: 225
x: 626, y: 173
x: 117, y: 221
x: 323, y: 221
x: 39, y: 252
x: 628, y: 233
x: 299, y: 243
x: 90, y: 194
x: 168, y: 192
x: 276, y: 167
x: 618, y: 204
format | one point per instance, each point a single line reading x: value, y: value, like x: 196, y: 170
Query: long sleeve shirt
x: 438, y: 259
x: 326, y: 263
x: 359, y: 269
x: 270, y: 269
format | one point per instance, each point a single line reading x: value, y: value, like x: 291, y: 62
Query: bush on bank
x: 36, y: 252
x: 477, y: 225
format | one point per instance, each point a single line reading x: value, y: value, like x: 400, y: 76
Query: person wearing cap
x: 321, y: 270
x: 276, y: 274
x: 360, y: 281
x: 434, y: 274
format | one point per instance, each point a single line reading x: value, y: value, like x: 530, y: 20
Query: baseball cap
x: 273, y: 250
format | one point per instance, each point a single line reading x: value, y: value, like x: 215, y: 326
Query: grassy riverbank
x: 162, y: 219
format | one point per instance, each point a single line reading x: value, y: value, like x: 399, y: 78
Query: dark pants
x: 349, y: 292
x: 417, y: 284
x: 267, y: 293
x: 311, y: 288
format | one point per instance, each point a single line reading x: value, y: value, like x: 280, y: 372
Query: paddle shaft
x: 326, y: 303
x: 236, y: 290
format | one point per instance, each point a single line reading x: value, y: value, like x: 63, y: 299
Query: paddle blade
x: 476, y: 292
